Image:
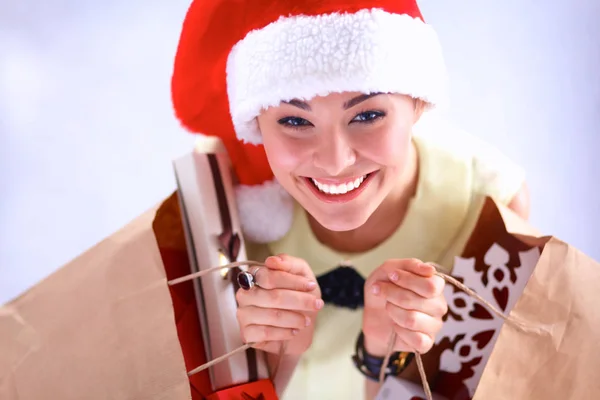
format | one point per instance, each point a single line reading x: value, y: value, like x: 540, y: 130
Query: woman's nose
x: 334, y: 154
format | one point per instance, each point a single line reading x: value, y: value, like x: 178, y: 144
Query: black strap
x: 370, y: 366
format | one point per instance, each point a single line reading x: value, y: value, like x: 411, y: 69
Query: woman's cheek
x: 286, y: 153
x: 384, y: 147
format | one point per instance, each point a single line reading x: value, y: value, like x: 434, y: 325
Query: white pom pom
x: 266, y: 211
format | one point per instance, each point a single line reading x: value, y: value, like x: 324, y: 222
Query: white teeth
x: 339, y: 189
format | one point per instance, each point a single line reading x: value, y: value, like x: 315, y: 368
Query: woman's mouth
x: 343, y: 188
x: 339, y: 191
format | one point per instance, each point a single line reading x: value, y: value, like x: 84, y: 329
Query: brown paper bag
x: 108, y: 325
x: 542, y: 281
x: 561, y: 294
x: 101, y: 327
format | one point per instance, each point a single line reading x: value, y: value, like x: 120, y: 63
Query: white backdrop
x: 87, y: 132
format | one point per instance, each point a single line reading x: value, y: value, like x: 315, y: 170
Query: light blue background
x: 88, y: 134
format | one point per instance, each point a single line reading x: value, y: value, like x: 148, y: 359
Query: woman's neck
x: 382, y: 224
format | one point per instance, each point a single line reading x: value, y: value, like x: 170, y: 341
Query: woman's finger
x: 413, y: 320
x: 400, y: 344
x: 267, y: 333
x: 428, y: 288
x: 409, y: 300
x: 273, y: 279
x: 272, y: 316
x: 415, y: 341
x: 287, y: 263
x: 279, y: 298
x: 412, y: 265
x: 409, y: 341
x: 384, y: 270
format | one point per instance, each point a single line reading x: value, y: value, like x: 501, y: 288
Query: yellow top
x: 456, y: 173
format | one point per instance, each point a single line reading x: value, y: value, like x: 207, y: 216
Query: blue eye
x: 368, y: 116
x: 294, y: 122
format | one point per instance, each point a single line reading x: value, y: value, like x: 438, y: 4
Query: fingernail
x: 274, y: 259
x: 319, y: 304
x: 307, y: 321
x: 394, y: 276
x: 375, y: 289
x: 427, y: 268
x: 311, y: 285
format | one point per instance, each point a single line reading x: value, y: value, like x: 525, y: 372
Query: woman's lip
x: 340, y: 198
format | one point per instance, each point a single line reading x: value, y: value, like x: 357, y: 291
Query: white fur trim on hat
x: 302, y: 57
x: 266, y: 211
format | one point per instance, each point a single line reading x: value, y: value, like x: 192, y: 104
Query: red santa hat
x: 238, y: 57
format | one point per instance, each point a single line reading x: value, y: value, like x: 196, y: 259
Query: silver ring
x: 247, y: 279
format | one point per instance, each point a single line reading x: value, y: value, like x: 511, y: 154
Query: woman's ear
x: 521, y: 202
x: 419, y: 109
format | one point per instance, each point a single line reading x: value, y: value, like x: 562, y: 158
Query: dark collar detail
x: 342, y: 287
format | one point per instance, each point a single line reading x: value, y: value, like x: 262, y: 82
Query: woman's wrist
x: 374, y: 348
x: 369, y: 361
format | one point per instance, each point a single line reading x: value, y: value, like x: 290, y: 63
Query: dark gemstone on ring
x: 245, y: 280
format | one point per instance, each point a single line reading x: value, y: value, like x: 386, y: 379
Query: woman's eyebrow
x: 348, y: 104
x: 298, y: 103
x: 358, y: 99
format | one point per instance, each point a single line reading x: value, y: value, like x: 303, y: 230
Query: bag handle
x: 521, y: 326
x: 242, y: 348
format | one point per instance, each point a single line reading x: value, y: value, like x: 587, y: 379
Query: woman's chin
x: 341, y: 222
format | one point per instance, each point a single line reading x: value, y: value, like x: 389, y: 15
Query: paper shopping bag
x: 101, y: 327
x: 542, y: 281
x: 560, y: 295
x: 109, y: 326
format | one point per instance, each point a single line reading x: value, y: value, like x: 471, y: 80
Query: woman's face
x: 340, y: 155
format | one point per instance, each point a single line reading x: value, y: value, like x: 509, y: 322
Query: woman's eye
x: 294, y: 122
x: 368, y: 116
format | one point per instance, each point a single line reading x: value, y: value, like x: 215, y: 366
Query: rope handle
x: 242, y: 348
x: 449, y: 279
x: 521, y: 326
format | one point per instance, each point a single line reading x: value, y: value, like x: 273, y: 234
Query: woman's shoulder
x: 492, y: 172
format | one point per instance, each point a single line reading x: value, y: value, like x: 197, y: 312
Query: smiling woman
x: 346, y: 158
x: 322, y: 107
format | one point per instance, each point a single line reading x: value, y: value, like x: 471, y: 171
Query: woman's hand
x: 282, y: 306
x: 406, y: 297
